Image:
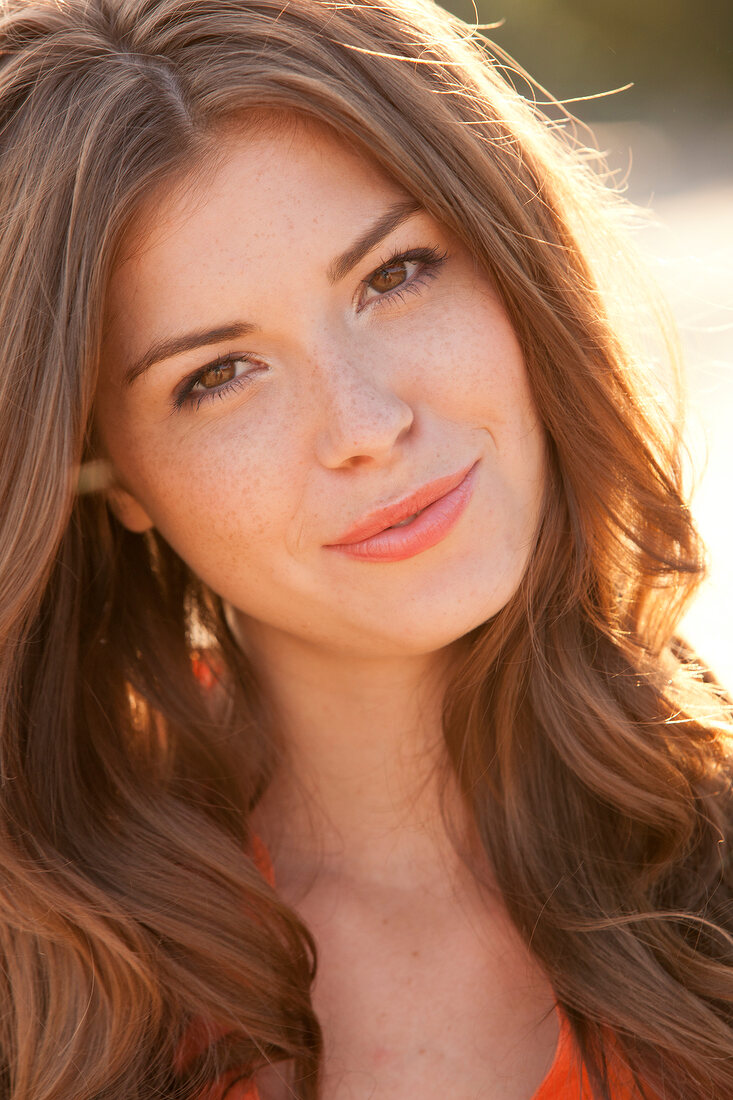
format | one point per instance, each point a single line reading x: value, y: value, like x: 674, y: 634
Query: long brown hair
x: 592, y: 755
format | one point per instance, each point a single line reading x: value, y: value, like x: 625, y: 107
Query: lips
x: 380, y: 519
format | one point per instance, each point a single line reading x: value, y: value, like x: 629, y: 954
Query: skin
x: 358, y: 392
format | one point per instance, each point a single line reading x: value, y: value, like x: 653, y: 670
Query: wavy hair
x: 594, y: 758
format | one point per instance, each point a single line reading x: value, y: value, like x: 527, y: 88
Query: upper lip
x: 379, y: 519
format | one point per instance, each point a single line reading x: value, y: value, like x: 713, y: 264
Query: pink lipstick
x: 411, y: 525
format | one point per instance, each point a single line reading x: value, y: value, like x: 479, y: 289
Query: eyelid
x: 430, y: 256
x: 184, y: 392
x: 192, y: 378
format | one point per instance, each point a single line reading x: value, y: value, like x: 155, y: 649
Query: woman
x: 342, y: 553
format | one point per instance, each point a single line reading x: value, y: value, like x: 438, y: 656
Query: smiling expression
x: 288, y: 351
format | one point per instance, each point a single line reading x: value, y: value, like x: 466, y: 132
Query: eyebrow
x: 394, y: 216
x: 175, y: 345
x: 338, y: 269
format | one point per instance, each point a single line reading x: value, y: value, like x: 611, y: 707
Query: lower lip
x: 429, y: 528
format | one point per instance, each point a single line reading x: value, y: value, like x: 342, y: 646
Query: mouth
x: 404, y: 522
x: 427, y: 512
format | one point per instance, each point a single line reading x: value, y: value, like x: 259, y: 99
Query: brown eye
x: 388, y: 278
x: 217, y: 375
x: 218, y: 379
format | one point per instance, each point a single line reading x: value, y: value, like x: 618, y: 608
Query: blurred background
x: 670, y: 139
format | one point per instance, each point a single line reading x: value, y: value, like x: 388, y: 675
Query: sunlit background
x: 670, y: 136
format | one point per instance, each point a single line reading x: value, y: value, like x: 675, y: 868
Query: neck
x: 359, y: 791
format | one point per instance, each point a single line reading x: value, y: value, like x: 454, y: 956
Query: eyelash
x: 185, y: 396
x: 431, y: 259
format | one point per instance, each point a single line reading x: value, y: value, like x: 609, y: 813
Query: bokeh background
x: 669, y: 138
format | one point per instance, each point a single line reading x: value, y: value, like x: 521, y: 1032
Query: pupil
x: 216, y: 376
x: 389, y: 277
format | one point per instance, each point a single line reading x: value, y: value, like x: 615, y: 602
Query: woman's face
x: 291, y: 349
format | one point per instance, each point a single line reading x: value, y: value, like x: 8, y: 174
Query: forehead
x: 292, y: 189
x: 261, y: 179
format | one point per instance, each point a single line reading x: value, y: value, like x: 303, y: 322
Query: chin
x: 424, y: 630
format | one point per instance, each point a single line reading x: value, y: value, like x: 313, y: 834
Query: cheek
x: 215, y: 499
x: 470, y: 365
x: 212, y: 489
x: 485, y: 385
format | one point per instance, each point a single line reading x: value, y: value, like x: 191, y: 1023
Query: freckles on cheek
x: 209, y: 502
x: 469, y: 344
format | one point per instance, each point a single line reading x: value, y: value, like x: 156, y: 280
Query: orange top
x: 566, y: 1080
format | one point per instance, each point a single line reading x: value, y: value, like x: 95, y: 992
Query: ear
x: 128, y: 510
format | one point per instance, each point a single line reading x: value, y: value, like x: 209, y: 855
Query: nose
x: 361, y: 418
